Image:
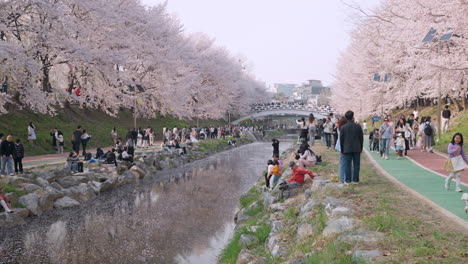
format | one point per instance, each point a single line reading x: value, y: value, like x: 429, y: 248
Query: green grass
x: 97, y: 123
x: 9, y: 188
x: 231, y: 251
x: 290, y: 213
x: 255, y: 210
x: 249, y: 199
x: 457, y: 124
x: 333, y: 252
x: 276, y: 133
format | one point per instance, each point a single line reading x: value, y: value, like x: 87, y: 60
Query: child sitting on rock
x: 5, y: 202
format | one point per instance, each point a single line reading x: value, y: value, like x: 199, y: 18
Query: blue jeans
x: 384, y: 145
x: 328, y: 139
x: 352, y: 159
x: 341, y: 169
x: 7, y: 163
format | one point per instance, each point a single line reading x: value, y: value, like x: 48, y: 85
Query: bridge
x: 277, y: 109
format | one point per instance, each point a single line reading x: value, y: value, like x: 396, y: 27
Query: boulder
x: 247, y: 240
x: 277, y: 207
x: 41, y: 182
x: 309, y: 206
x: 304, y: 231
x: 49, y: 176
x: 80, y: 193
x: 366, y: 255
x: 140, y: 172
x: 130, y: 177
x: 272, y: 241
x: 267, y: 199
x: 279, y: 250
x: 15, y: 180
x: 241, y: 217
x: 70, y: 181
x: 96, y: 186
x: 13, y: 219
x: 361, y: 235
x: 339, y: 225
x: 338, y: 212
x: 109, y: 184
x: 40, y: 201
x: 308, y: 193
x: 56, y: 186
x: 319, y: 184
x: 295, y: 261
x: 65, y: 202
x: 29, y: 187
x: 276, y: 226
x: 245, y: 256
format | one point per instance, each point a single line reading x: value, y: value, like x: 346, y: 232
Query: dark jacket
x: 8, y: 148
x: 19, y: 151
x: 351, y: 138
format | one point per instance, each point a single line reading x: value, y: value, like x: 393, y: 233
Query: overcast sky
x: 284, y: 40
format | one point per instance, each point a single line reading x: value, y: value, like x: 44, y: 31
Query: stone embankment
x: 43, y: 189
x: 297, y: 230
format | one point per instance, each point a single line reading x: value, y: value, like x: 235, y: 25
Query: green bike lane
x: 424, y: 182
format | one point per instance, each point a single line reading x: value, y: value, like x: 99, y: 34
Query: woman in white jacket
x: 307, y: 159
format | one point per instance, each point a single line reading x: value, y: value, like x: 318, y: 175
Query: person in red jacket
x: 298, y: 175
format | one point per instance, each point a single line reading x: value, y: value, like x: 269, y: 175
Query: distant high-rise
x: 285, y: 88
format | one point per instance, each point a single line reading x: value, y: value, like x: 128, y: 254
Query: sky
x: 285, y: 41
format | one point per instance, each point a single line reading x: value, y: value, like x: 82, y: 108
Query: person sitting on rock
x: 280, y: 163
x: 306, y: 158
x: 100, y: 154
x: 110, y: 157
x: 73, y: 161
x: 5, y: 202
x: 297, y: 178
x: 126, y: 156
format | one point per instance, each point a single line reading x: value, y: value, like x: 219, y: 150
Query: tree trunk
x: 457, y: 104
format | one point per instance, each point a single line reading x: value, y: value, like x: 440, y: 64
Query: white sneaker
x: 386, y: 157
x: 458, y: 189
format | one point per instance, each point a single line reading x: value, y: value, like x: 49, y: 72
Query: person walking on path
x: 76, y: 139
x: 53, y: 134
x: 114, y: 135
x: 386, y: 132
x: 327, y: 130
x: 8, y: 150
x: 446, y: 119
x: 455, y: 149
x: 364, y: 126
x: 85, y: 137
x: 312, y: 129
x: 18, y: 156
x: 31, y: 133
x: 303, y: 126
x: 59, y: 141
x: 351, y: 145
x: 275, y: 147
x: 429, y: 129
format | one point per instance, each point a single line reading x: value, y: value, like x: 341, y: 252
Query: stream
x: 183, y: 215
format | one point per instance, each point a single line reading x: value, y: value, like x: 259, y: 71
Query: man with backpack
x: 446, y: 119
x: 428, y: 135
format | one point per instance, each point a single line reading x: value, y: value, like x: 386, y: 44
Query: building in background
x: 285, y: 88
x: 311, y: 92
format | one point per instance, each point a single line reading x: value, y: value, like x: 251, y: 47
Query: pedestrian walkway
x: 425, y: 182
x: 54, y: 159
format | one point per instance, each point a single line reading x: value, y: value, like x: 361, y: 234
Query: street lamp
x: 431, y: 36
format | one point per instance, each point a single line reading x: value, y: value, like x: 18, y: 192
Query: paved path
x: 53, y: 159
x: 425, y: 182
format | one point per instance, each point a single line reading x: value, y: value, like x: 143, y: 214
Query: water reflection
x: 186, y: 218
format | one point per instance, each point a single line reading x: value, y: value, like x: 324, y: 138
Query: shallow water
x: 183, y: 215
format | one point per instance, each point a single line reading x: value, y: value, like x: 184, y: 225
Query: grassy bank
x: 414, y: 232
x: 98, y: 125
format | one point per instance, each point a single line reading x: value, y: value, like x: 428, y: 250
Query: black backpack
x: 446, y: 114
x: 428, y: 130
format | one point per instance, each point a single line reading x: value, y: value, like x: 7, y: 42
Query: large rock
x: 70, y: 181
x: 361, y: 235
x: 109, y: 184
x: 56, y: 186
x: 276, y: 226
x: 267, y: 199
x: 13, y: 219
x: 366, y: 255
x: 29, y: 187
x: 65, y: 202
x: 272, y: 241
x: 340, y: 225
x: 245, y: 256
x: 278, y: 207
x: 15, y: 180
x: 247, y: 240
x: 309, y: 206
x: 80, y: 193
x: 241, y: 217
x: 304, y: 231
x: 319, y: 184
x: 338, y: 212
x: 96, y: 186
x: 49, y: 176
x: 40, y: 201
x: 41, y: 182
